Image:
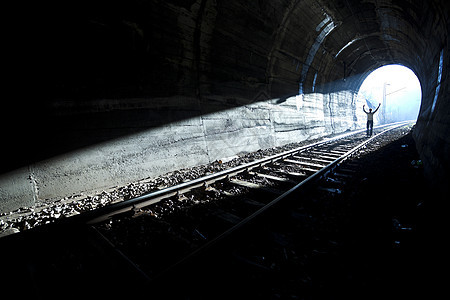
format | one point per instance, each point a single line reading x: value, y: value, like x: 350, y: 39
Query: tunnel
x: 104, y: 93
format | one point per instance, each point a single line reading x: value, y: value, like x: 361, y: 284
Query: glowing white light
x: 438, y: 85
x: 403, y: 93
x: 348, y: 44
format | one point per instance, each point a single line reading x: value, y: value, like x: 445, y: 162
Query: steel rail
x: 312, y: 178
x: 104, y: 213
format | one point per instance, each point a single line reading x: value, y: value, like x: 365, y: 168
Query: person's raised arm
x: 379, y: 104
x: 364, y: 109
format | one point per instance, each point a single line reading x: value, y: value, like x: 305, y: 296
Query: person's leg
x: 371, y: 127
x: 368, y: 126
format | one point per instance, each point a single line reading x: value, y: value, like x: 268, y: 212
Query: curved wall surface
x: 107, y: 92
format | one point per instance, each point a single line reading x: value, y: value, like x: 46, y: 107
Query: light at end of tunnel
x: 397, y: 88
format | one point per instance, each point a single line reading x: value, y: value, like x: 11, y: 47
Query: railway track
x: 149, y: 240
x: 230, y: 198
x: 291, y: 167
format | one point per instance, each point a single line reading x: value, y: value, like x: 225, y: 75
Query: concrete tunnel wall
x: 137, y: 89
x: 181, y: 143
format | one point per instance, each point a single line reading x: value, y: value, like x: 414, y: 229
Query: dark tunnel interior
x: 81, y: 73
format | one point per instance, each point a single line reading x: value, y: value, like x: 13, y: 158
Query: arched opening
x: 398, y: 90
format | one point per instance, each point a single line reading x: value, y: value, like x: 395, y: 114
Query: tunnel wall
x: 106, y: 92
x: 188, y: 138
x: 432, y: 132
x: 136, y: 89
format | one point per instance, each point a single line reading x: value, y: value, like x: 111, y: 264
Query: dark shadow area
x: 86, y: 52
x: 83, y: 52
x: 381, y: 237
x: 73, y: 62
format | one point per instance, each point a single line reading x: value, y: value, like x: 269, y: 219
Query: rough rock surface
x: 134, y: 89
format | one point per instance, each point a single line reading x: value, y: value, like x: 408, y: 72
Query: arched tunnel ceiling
x: 71, y: 58
x: 361, y: 36
x: 121, y: 49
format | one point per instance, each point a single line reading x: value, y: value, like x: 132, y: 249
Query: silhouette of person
x: 370, y: 119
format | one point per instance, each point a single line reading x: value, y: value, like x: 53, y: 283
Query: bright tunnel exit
x: 398, y: 90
